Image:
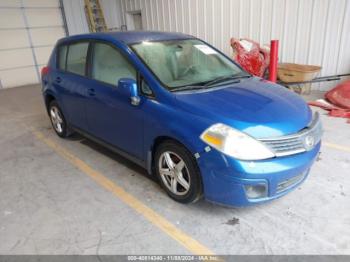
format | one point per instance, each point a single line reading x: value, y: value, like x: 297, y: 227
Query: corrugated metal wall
x: 75, y: 17
x: 112, y: 13
x: 310, y: 31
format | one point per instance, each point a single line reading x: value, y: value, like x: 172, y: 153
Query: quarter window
x: 145, y: 89
x: 109, y: 65
x: 76, y: 59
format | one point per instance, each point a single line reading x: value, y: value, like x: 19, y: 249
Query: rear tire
x: 58, y: 120
x: 177, y: 172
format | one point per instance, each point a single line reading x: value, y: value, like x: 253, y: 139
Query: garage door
x: 28, y: 31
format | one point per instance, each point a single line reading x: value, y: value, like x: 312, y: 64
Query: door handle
x: 91, y: 92
x: 58, y: 79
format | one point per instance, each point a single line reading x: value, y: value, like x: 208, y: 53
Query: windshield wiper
x: 189, y: 87
x: 225, y: 78
x: 210, y: 83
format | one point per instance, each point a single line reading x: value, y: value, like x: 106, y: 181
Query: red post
x: 273, y: 61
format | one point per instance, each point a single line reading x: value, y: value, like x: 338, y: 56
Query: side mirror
x: 129, y: 87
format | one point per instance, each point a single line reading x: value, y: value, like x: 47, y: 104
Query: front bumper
x: 224, y: 178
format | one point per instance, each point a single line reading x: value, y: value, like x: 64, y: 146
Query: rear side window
x: 109, y: 65
x: 76, y: 59
x: 62, y: 55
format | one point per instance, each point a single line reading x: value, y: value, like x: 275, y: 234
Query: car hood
x: 255, y: 106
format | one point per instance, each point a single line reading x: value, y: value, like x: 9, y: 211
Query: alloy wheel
x: 56, y: 119
x: 174, y: 173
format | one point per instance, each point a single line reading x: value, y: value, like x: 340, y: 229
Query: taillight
x: 45, y: 70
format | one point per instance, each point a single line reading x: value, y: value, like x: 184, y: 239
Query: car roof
x: 130, y: 37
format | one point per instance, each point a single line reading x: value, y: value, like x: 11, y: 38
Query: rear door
x: 70, y: 81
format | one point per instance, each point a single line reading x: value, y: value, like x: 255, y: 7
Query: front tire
x: 178, y: 173
x: 58, y: 120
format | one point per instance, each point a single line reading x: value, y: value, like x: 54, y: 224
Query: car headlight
x: 235, y: 143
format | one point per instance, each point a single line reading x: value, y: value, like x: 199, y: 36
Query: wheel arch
x: 48, y: 99
x: 158, y: 141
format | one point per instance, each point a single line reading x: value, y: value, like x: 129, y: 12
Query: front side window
x: 187, y: 62
x: 109, y: 65
x: 76, y: 58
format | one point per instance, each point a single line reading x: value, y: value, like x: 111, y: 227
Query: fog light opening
x: 256, y: 191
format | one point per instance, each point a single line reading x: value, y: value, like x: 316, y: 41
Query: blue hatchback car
x: 183, y: 110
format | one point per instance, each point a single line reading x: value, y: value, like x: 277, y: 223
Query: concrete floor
x: 48, y: 206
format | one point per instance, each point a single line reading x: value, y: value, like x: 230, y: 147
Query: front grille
x: 285, y: 184
x: 302, y: 141
x: 286, y: 146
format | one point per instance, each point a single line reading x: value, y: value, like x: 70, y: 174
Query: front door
x: 110, y: 115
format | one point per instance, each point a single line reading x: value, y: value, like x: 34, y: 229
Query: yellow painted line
x: 162, y: 223
x: 335, y: 146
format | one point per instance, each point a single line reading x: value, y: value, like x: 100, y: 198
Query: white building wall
x: 310, y: 31
x: 28, y: 31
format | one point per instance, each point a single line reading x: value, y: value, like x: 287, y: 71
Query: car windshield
x: 185, y: 63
